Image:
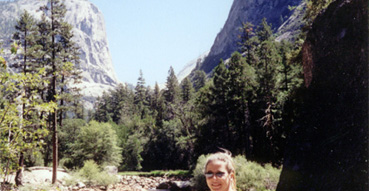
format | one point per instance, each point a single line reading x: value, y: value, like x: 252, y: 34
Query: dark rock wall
x: 328, y: 148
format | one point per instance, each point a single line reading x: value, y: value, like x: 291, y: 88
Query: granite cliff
x: 89, y: 33
x: 276, y: 12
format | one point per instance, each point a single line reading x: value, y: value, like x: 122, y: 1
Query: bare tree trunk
x: 55, y: 114
x: 55, y: 148
x: 19, y: 174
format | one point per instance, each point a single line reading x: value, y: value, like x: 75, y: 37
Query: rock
x: 81, y: 185
x: 112, y: 170
x: 39, y: 175
x: 245, y: 11
x: 328, y: 146
x: 89, y: 32
x: 175, y: 185
x: 183, y: 185
x: 163, y: 185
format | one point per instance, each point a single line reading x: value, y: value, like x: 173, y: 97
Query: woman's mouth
x: 216, y: 186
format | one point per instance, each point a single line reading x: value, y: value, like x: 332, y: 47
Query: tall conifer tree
x: 60, y: 58
x: 25, y: 35
x: 187, y: 89
x: 141, y: 96
x: 171, y: 93
x: 199, y: 80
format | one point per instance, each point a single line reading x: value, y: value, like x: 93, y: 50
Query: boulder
x: 112, y: 170
x: 175, y: 185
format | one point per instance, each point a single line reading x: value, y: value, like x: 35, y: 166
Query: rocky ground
x: 41, y: 176
x: 136, y: 183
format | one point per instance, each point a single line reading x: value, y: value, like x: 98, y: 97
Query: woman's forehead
x: 216, y: 165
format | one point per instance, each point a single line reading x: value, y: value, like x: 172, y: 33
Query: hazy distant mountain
x: 89, y: 33
x: 187, y: 69
x: 276, y: 12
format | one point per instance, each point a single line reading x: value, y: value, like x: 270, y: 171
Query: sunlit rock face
x: 328, y: 146
x: 275, y: 11
x: 89, y: 33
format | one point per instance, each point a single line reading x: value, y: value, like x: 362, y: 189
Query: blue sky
x: 153, y: 35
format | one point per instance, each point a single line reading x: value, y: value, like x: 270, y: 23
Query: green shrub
x: 72, y: 180
x: 198, y: 174
x: 92, y: 175
x: 39, y: 187
x: 89, y: 171
x: 249, y: 175
x: 95, y: 141
x: 105, y: 179
x: 157, y: 173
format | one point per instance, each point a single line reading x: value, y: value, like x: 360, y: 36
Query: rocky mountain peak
x: 276, y: 12
x: 89, y: 33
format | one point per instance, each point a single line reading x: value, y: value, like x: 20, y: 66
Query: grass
x: 157, y: 173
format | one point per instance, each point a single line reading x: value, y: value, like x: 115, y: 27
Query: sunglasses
x: 218, y: 174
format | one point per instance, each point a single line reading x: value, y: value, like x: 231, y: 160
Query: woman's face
x: 220, y: 180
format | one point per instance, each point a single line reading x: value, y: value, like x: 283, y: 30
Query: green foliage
x: 132, y: 150
x: 39, y: 187
x: 199, y: 80
x: 92, y: 175
x: 224, y: 107
x: 141, y: 99
x: 186, y: 89
x: 69, y: 133
x: 253, y: 176
x: 172, y: 87
x: 168, y: 173
x: 264, y: 31
x: 89, y: 171
x: 249, y: 175
x: 116, y: 105
x: 97, y: 142
x: 198, y: 174
x: 313, y: 8
x: 22, y: 128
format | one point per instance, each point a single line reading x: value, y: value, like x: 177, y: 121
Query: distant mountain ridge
x: 276, y: 12
x: 89, y: 33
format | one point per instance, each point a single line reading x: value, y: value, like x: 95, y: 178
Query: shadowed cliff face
x: 242, y: 11
x: 328, y: 148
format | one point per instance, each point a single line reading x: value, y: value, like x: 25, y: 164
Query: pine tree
x: 199, y: 80
x: 57, y: 46
x: 214, y: 131
x: 171, y: 94
x: 264, y: 31
x: 241, y: 91
x: 26, y: 36
x: 141, y: 96
x: 172, y: 88
x: 70, y: 73
x: 187, y: 89
x: 103, y: 108
x: 158, y: 106
x: 269, y: 61
x: 267, y: 70
x: 249, y: 42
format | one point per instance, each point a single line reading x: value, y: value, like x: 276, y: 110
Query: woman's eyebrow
x: 220, y: 172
